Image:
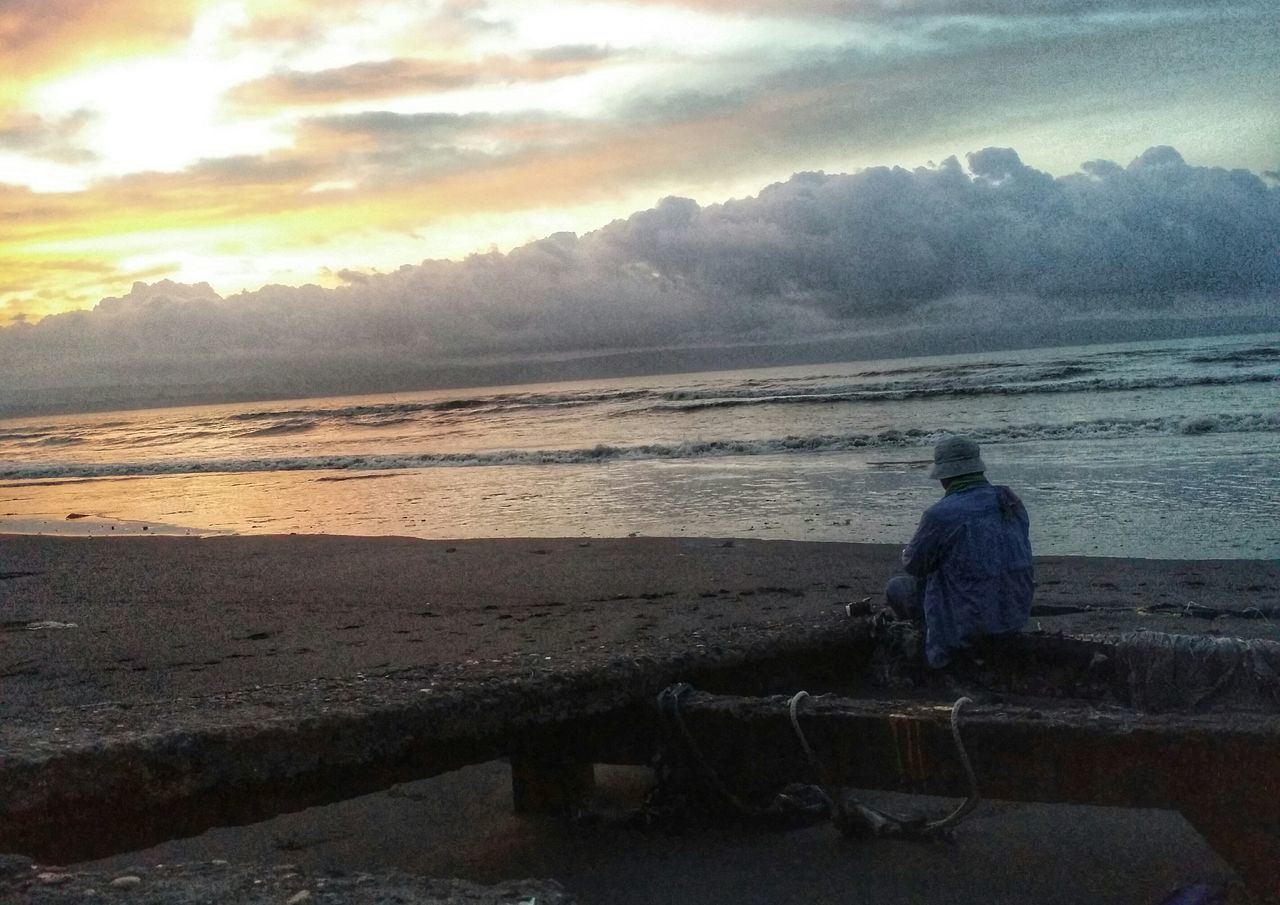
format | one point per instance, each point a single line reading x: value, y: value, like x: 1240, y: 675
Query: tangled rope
x: 880, y: 822
x: 669, y: 703
x: 851, y: 816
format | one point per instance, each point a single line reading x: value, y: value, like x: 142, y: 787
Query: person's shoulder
x: 1006, y: 493
x: 949, y: 506
x: 978, y: 497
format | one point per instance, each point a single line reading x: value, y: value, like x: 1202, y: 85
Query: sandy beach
x: 172, y: 617
x: 136, y: 624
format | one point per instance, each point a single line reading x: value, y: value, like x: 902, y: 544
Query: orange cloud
x: 379, y: 173
x: 400, y: 77
x: 40, y: 38
x: 34, y: 287
x: 610, y: 160
x: 295, y: 22
x: 67, y: 250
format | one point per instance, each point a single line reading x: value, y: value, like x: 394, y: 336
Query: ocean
x: 1167, y: 449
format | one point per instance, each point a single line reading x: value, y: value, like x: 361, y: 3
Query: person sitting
x: 969, y: 573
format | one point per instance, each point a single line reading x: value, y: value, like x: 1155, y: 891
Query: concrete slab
x: 144, y: 673
x: 461, y: 825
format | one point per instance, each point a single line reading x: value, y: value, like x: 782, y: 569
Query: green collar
x: 965, y: 482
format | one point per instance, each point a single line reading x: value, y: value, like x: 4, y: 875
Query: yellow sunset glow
x: 242, y: 143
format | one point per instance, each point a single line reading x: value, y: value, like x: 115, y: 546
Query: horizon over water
x: 1165, y: 449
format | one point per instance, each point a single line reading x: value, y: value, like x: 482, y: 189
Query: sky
x: 285, y: 188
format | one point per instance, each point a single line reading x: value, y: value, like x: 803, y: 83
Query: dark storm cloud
x: 885, y: 241
x: 816, y: 255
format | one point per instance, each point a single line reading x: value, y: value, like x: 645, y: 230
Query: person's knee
x: 902, y: 593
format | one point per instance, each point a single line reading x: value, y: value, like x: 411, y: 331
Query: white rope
x: 972, y: 801
x: 934, y: 826
x: 794, y: 706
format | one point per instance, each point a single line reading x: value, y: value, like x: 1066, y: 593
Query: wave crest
x: 1099, y: 429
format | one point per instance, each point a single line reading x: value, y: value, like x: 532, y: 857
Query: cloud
x: 849, y: 101
x: 303, y: 26
x: 814, y: 256
x: 42, y: 36
x: 380, y: 125
x: 52, y: 138
x: 904, y: 9
x: 409, y: 77
x: 900, y: 79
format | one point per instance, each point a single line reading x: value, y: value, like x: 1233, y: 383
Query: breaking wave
x: 1257, y: 355
x: 54, y: 441
x: 382, y: 411
x: 694, y: 400
x: 1099, y: 429
x: 291, y: 426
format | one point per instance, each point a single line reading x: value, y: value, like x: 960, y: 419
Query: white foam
x: 1098, y: 429
x: 95, y: 526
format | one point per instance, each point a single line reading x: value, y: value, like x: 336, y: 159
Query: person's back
x: 970, y: 559
x: 973, y: 552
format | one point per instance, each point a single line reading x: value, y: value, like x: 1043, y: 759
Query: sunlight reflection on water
x: 1107, y: 501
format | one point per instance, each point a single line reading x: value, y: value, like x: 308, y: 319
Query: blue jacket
x: 973, y: 552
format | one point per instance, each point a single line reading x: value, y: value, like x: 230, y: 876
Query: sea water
x: 1158, y: 449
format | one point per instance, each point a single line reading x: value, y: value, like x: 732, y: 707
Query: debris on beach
x: 1201, y: 893
x: 242, y: 884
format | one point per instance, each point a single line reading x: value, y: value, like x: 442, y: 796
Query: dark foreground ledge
x: 180, y: 884
x: 181, y: 690
x: 90, y: 781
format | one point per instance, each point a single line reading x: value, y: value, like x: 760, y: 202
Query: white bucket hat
x: 955, y: 456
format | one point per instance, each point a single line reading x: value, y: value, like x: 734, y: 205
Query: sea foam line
x: 1100, y: 429
x: 695, y: 400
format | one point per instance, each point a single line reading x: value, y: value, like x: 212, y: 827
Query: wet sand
x: 162, y: 618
